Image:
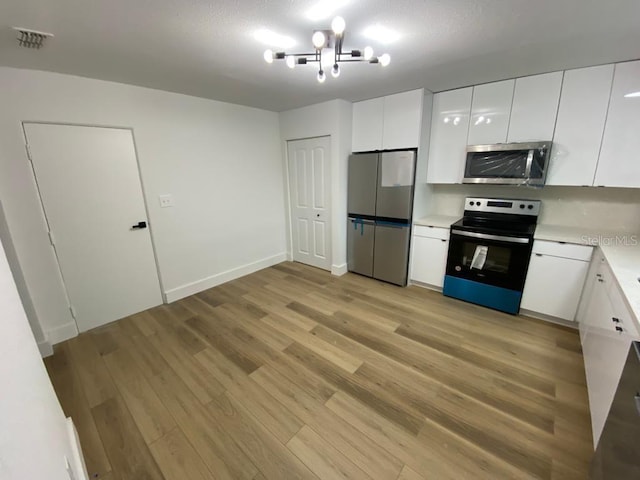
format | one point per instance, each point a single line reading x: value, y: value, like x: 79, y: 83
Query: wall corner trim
x: 339, y: 270
x: 62, y: 333
x: 220, y: 278
x: 46, y: 349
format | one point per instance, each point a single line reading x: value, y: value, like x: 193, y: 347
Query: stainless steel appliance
x: 380, y: 205
x: 489, y: 252
x: 618, y: 453
x: 508, y: 163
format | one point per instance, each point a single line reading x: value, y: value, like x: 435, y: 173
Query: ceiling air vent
x: 31, y: 38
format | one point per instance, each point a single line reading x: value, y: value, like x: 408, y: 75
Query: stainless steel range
x: 489, y: 252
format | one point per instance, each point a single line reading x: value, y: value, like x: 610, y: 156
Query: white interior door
x: 92, y: 197
x: 309, y: 185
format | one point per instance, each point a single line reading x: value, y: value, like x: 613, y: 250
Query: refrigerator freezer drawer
x: 360, y: 236
x: 391, y: 256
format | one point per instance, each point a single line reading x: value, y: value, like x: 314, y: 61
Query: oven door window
x: 498, y: 263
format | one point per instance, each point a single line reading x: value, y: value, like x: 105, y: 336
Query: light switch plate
x: 166, y: 200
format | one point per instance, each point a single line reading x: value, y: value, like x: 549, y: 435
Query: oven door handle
x: 486, y: 236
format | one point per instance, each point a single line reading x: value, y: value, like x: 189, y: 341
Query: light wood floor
x: 292, y: 373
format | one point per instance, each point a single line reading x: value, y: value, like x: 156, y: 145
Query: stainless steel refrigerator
x: 380, y: 205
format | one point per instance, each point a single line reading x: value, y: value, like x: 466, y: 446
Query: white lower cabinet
x: 606, y: 331
x: 429, y: 255
x: 555, y: 279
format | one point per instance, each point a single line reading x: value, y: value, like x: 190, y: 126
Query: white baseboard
x: 428, y: 286
x: 549, y: 318
x: 339, y: 270
x: 46, y: 349
x: 62, y: 333
x: 220, y: 278
x: 76, y: 467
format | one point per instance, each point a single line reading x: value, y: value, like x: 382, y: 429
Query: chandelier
x: 322, y: 39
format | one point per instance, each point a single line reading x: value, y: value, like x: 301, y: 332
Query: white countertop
x: 621, y: 249
x: 440, y: 221
x: 577, y: 235
x: 624, y: 261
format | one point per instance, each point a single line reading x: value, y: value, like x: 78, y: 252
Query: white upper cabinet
x: 387, y: 123
x: 402, y: 120
x: 490, y: 112
x: 535, y: 106
x: 449, y: 131
x: 580, y: 124
x: 368, y: 121
x: 618, y: 165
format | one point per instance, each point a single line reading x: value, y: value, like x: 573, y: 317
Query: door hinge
x: 73, y: 311
x: 51, y: 239
x: 26, y: 146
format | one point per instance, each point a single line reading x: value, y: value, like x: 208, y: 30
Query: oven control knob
x: 478, y: 204
x: 530, y: 207
x: 472, y: 203
x: 522, y: 205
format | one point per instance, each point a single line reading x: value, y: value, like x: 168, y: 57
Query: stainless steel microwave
x: 508, y: 163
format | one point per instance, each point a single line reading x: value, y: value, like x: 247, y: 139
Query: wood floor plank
x: 362, y: 451
x: 209, y: 438
x: 177, y: 459
x: 225, y: 344
x: 123, y: 442
x: 71, y: 396
x: 321, y: 458
x: 338, y: 357
x: 151, y: 417
x: 524, y: 405
x: 282, y: 424
x: 275, y: 460
x: 367, y: 392
x: 145, y: 322
x: 201, y: 383
x: 95, y: 379
x: 437, y: 452
x: 408, y: 474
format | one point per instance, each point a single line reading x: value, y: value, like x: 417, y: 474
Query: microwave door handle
x: 529, y: 164
x: 486, y: 236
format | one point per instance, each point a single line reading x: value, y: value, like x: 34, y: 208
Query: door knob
x: 139, y: 226
x: 317, y: 215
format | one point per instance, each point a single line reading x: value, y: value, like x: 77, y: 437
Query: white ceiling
x: 206, y: 47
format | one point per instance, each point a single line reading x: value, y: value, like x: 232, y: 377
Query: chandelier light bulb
x: 268, y: 56
x: 337, y: 25
x: 290, y: 61
x: 385, y: 59
x: 321, y: 76
x: 335, y: 71
x: 318, y: 40
x: 368, y: 53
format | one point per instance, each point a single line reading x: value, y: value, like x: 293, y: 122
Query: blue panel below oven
x: 499, y: 298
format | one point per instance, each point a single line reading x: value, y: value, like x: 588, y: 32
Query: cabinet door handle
x: 442, y: 240
x: 538, y: 254
x: 615, y: 320
x: 599, y: 275
x: 601, y: 280
x: 619, y: 329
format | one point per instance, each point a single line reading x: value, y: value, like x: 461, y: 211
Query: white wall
x: 615, y: 209
x: 222, y: 163
x: 334, y: 119
x: 33, y: 431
